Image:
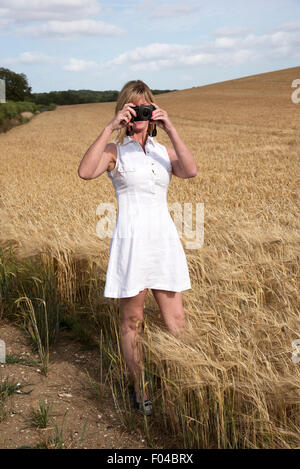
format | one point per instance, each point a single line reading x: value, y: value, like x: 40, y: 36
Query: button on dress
x: 145, y: 249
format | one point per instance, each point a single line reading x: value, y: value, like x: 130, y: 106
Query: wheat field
x: 230, y: 381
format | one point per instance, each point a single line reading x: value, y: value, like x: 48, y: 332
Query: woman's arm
x: 99, y: 155
x: 183, y: 162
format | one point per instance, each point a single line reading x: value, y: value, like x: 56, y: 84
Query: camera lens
x: 146, y: 112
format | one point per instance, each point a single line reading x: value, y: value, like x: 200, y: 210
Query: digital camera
x: 143, y: 112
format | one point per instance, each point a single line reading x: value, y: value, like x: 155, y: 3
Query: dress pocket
x: 126, y: 168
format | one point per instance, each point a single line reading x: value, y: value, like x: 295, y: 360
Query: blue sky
x: 99, y: 45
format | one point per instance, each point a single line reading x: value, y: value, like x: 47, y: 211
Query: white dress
x: 145, y: 250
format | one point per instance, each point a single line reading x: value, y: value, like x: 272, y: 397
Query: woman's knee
x: 132, y: 321
x: 174, y: 319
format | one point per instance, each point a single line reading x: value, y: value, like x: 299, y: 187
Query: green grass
x: 11, y: 358
x: 41, y: 416
x: 29, y: 297
x: 193, y: 418
x: 7, y: 389
x: 11, y: 109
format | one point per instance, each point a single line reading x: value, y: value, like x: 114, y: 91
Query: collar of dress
x: 127, y: 140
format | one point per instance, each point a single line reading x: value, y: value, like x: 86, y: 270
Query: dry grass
x: 230, y: 382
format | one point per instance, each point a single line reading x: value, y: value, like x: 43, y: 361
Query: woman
x: 145, y: 249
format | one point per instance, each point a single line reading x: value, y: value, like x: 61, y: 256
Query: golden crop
x: 243, y: 309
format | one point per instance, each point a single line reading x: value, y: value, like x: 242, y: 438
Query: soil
x: 67, y: 388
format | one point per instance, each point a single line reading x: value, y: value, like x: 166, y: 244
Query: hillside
x: 232, y: 382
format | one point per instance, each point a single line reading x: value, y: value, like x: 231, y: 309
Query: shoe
x: 146, y: 409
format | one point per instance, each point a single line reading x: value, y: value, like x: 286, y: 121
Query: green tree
x: 16, y: 84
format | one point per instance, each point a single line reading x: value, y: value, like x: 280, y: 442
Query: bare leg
x: 170, y: 305
x: 130, y: 328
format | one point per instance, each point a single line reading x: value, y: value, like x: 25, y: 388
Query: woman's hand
x: 161, y: 118
x: 123, y: 117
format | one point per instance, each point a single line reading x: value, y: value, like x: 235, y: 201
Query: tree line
x: 18, y: 89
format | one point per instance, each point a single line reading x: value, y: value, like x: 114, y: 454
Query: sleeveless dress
x: 145, y: 250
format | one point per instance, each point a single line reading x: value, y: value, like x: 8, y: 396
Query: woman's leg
x: 132, y: 310
x: 171, y: 307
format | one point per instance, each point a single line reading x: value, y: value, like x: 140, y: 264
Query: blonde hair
x: 131, y: 92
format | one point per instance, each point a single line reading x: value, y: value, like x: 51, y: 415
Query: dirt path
x: 67, y: 386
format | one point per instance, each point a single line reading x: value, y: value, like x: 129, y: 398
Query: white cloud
x: 196, y: 59
x: 31, y: 58
x: 158, y: 56
x: 169, y: 11
x: 224, y: 51
x: 242, y: 56
x: 4, y: 22
x: 232, y: 31
x: 78, y: 65
x: 270, y: 41
x: 158, y: 10
x: 65, y: 19
x: 226, y: 42
x: 293, y: 26
x: 45, y: 10
x: 155, y: 51
x: 72, y: 29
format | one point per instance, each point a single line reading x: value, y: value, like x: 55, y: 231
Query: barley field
x: 231, y: 380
